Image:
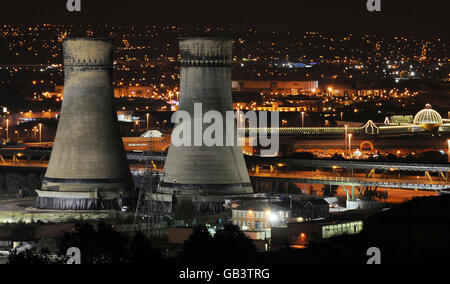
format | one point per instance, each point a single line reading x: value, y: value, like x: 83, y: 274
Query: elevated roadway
x: 351, y: 164
x: 353, y: 181
x: 26, y: 155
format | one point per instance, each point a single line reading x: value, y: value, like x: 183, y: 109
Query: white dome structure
x: 152, y: 134
x: 428, y: 118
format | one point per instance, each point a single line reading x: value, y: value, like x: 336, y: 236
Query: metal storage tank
x: 88, y: 168
x: 205, y: 174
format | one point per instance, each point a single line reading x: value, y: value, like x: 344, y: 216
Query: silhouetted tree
x: 329, y: 190
x: 229, y: 245
x: 141, y: 250
x: 198, y: 246
x: 434, y: 157
x: 233, y: 245
x: 337, y: 157
x: 33, y: 182
x: 185, y: 210
x: 302, y: 155
x: 98, y: 245
x: 14, y: 182
x: 35, y: 256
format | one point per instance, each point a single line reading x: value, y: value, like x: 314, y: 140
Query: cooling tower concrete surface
x: 88, y: 168
x: 205, y: 174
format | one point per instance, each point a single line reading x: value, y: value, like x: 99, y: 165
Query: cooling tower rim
x: 105, y: 39
x: 87, y: 180
x: 205, y: 38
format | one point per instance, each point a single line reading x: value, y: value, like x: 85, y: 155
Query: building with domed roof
x: 428, y: 118
x: 425, y: 131
x: 425, y: 121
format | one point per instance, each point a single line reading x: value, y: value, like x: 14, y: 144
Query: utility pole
x: 147, y: 205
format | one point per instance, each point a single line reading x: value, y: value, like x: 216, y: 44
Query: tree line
x: 101, y: 244
x: 21, y: 185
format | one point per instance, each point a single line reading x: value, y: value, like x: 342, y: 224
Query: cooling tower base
x: 210, y: 191
x: 52, y: 203
x: 81, y: 201
x: 206, y: 198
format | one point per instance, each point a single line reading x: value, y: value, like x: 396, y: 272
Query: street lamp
x: 148, y: 115
x: 350, y: 143
x: 345, y: 137
x: 7, y: 129
x: 303, y: 119
x: 40, y: 132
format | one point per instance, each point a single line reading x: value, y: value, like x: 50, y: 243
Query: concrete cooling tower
x: 88, y: 168
x: 201, y: 173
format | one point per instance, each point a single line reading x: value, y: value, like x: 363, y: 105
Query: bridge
x: 351, y: 164
x: 353, y: 181
x: 22, y: 157
x: 345, y: 164
x: 375, y: 174
x: 44, y: 154
x: 362, y: 175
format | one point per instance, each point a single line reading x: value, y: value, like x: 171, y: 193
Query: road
x: 394, y: 195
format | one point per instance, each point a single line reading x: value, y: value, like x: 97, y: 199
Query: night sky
x: 407, y: 16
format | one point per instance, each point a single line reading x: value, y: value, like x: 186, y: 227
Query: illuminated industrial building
x: 302, y: 233
x: 260, y: 215
x: 120, y: 92
x: 276, y: 87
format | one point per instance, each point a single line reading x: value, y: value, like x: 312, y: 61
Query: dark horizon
x: 414, y: 16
